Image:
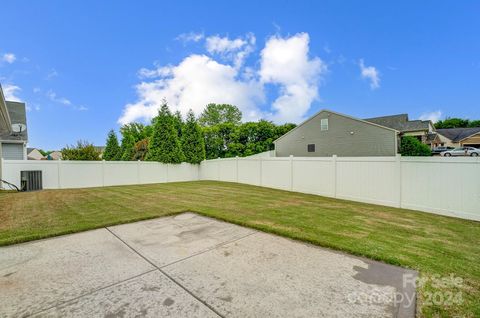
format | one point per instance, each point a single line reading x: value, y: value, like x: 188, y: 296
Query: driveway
x: 192, y: 266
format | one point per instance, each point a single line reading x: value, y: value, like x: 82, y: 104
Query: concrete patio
x: 192, y: 266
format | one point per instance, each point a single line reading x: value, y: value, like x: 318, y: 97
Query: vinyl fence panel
x: 447, y: 186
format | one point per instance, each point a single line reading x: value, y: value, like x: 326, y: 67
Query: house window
x: 311, y: 147
x: 324, y: 124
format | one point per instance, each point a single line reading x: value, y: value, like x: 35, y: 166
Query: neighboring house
x: 329, y: 133
x: 55, y: 155
x: 423, y: 130
x: 34, y: 154
x: 13, y: 129
x: 459, y: 137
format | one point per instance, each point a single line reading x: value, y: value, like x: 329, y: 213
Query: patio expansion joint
x: 91, y: 292
x: 210, y: 249
x: 168, y: 276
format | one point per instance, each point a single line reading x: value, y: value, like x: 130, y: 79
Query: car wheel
x: 447, y: 155
x: 474, y: 154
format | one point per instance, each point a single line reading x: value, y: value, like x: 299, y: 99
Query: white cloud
x: 370, y: 73
x: 10, y: 92
x: 434, y: 116
x: 195, y: 82
x: 190, y: 37
x: 53, y: 73
x: 216, y: 44
x: 286, y: 62
x: 235, y: 50
x: 8, y: 58
x: 200, y: 79
x: 61, y: 100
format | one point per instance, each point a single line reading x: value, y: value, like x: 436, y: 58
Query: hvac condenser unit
x: 31, y: 180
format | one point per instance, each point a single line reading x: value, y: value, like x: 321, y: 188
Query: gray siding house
x: 13, y: 145
x: 329, y: 133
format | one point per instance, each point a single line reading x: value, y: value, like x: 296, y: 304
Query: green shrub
x: 83, y: 151
x: 411, y: 146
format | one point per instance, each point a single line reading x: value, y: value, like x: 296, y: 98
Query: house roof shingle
x: 17, y: 113
x: 457, y: 134
x: 400, y: 122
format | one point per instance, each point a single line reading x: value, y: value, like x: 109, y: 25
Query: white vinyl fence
x: 84, y: 174
x: 448, y: 186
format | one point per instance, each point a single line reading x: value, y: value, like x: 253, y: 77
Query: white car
x: 461, y: 151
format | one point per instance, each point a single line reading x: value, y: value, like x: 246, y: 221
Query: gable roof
x: 458, y: 134
x: 338, y: 114
x: 401, y: 123
x: 18, y: 115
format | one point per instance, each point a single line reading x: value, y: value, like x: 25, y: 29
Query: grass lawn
x: 433, y: 245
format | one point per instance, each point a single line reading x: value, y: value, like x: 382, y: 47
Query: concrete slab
x: 38, y: 275
x: 193, y: 266
x: 267, y: 276
x: 149, y: 295
x: 170, y: 239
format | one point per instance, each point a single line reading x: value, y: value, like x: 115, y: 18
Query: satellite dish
x: 18, y: 128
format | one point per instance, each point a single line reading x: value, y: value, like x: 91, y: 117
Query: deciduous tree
x: 82, y: 151
x: 215, y: 114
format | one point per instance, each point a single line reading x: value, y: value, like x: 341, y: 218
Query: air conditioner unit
x: 31, y: 180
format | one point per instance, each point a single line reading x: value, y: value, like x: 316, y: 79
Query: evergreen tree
x: 178, y: 123
x: 128, y: 147
x: 193, y: 143
x: 112, y: 150
x: 164, y: 145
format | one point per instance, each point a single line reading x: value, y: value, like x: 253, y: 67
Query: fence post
x: 398, y: 168
x: 138, y: 172
x: 291, y: 172
x: 167, y: 173
x: 59, y: 178
x: 334, y: 162
x: 103, y: 172
x: 236, y: 169
x: 261, y: 172
x: 218, y: 168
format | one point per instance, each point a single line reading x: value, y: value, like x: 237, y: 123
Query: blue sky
x: 84, y: 67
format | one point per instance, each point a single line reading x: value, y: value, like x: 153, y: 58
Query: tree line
x: 217, y: 133
x: 457, y: 123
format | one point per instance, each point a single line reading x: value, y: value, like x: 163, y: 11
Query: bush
x: 83, y: 151
x: 411, y: 146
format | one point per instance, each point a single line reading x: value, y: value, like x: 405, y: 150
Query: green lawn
x: 433, y: 245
